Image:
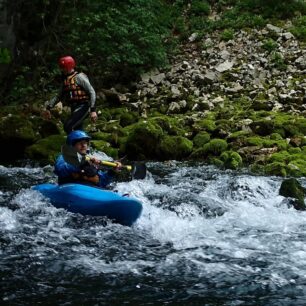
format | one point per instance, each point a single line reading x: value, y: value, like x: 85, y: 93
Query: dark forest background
x: 115, y: 41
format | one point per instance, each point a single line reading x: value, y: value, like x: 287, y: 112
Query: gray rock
x: 273, y: 28
x: 227, y: 65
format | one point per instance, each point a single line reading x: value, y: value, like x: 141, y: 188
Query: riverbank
x: 229, y: 101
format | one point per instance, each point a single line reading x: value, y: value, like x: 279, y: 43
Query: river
x: 205, y: 237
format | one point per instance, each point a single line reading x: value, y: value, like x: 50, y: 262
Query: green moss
x: 276, y: 136
x: 238, y: 134
x: 18, y: 128
x: 205, y: 125
x: 198, y: 154
x: 282, y: 156
x: 170, y: 125
x: 143, y: 140
x: 215, y: 147
x: 175, y: 147
x: 232, y: 160
x: 47, y: 149
x: 276, y: 168
x: 200, y: 139
x: 254, y: 141
x: 128, y: 118
x: 297, y: 167
x: 110, y: 127
x: 101, y: 136
x: 294, y: 150
x: 262, y: 127
x: 216, y: 161
x: 257, y: 168
x: 293, y: 189
x: 104, y: 115
x: 105, y: 147
x: 266, y: 142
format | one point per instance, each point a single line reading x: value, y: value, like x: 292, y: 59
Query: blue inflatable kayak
x: 88, y: 200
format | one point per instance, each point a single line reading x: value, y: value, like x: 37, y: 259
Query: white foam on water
x: 8, y: 219
x: 257, y: 223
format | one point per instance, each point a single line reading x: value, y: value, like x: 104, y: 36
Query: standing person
x: 76, y: 92
x: 87, y: 172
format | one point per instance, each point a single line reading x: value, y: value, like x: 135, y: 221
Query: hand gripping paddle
x: 71, y: 156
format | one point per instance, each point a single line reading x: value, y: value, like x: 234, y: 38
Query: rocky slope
x: 231, y: 102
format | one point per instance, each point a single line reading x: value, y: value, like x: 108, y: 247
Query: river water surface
x: 205, y: 237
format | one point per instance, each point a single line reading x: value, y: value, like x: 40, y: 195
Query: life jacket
x: 72, y: 91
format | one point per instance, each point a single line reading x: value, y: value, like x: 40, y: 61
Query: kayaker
x: 87, y: 172
x: 76, y: 92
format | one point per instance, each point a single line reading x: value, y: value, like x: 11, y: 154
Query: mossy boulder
x: 174, y: 147
x: 47, y: 149
x: 105, y: 147
x: 276, y: 168
x: 104, y: 115
x: 170, y: 125
x: 216, y: 161
x: 262, y: 105
x: 207, y: 125
x: 128, y: 118
x: 109, y: 127
x: 101, y: 136
x: 143, y: 140
x: 215, y: 147
x: 262, y: 127
x: 297, y: 167
x: 201, y: 139
x: 294, y: 161
x: 266, y: 142
x: 231, y: 160
x: 276, y: 136
x: 17, y: 128
x: 293, y: 189
x: 16, y: 133
x: 47, y: 128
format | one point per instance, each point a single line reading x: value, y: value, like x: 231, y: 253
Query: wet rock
x: 16, y: 133
x: 291, y: 188
x: 47, y: 149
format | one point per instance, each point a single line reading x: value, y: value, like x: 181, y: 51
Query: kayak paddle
x: 71, y: 156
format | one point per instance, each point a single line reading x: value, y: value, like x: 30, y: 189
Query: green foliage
x: 299, y: 27
x: 199, y: 7
x: 278, y: 60
x: 21, y: 88
x: 118, y: 40
x: 227, y: 34
x: 273, y: 8
x: 115, y: 40
x: 120, y: 37
x: 5, y: 56
x: 269, y: 44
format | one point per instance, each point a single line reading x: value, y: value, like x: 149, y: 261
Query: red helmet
x: 66, y: 63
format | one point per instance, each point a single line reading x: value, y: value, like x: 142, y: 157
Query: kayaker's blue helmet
x: 76, y: 136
